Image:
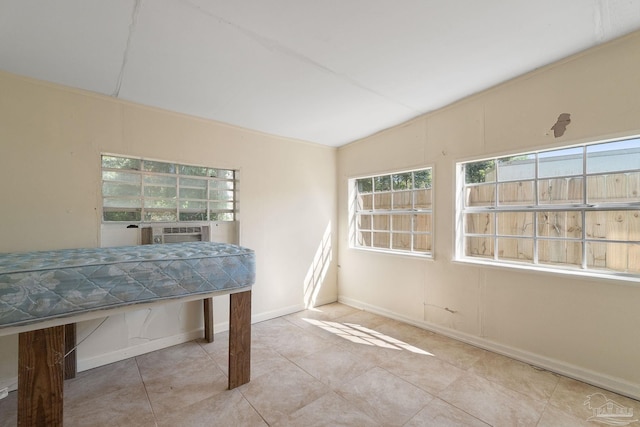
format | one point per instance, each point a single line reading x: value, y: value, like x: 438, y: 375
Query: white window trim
x: 142, y: 173
x: 568, y: 269
x: 353, y: 212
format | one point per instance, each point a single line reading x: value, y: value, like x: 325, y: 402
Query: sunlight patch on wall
x: 318, y: 269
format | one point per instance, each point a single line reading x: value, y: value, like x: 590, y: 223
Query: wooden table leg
x: 41, y: 377
x: 70, y: 366
x: 208, y: 319
x: 239, y: 339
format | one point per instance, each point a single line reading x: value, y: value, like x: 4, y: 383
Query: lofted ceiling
x: 324, y: 71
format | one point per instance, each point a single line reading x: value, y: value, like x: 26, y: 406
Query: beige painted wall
x: 51, y: 139
x: 583, y: 327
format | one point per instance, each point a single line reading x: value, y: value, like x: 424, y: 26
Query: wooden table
x: 41, y: 362
x: 43, y: 344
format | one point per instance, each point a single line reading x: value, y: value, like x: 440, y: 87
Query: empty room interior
x: 442, y: 198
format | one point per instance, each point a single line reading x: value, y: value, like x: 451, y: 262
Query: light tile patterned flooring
x: 332, y: 366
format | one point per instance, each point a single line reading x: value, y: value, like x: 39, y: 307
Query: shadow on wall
x: 317, y: 272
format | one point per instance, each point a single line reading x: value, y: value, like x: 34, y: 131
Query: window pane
x: 214, y: 183
x: 560, y: 224
x: 479, y: 223
x: 516, y: 193
x: 193, y: 170
x: 422, y: 222
x: 196, y: 183
x: 480, y: 195
x: 381, y: 222
x: 193, y: 193
x: 479, y: 247
x: 382, y: 183
x: 402, y: 200
x: 560, y: 191
x: 364, y: 222
x: 381, y: 240
x: 619, y: 187
x: 120, y: 189
x: 221, y: 173
x: 193, y: 216
x: 111, y: 202
x: 613, y: 225
x: 365, y: 185
x: 131, y: 216
x: 422, y: 242
x: 559, y: 251
x: 422, y: 198
x: 401, y: 241
x: 515, y: 223
x: 160, y: 203
x: 382, y: 201
x: 613, y: 156
x: 221, y: 206
x: 221, y: 216
x: 365, y: 202
x: 364, y: 238
x: 111, y: 162
x: 132, y: 178
x: 515, y: 249
x: 160, y: 180
x: 221, y: 195
x: 622, y: 257
x: 402, y: 181
x: 401, y: 222
x: 160, y: 216
x: 517, y: 168
x: 156, y: 191
x: 193, y: 204
x: 478, y: 172
x: 159, y: 167
x: 560, y: 162
x: 422, y: 178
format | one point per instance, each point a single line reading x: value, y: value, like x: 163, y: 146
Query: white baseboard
x: 267, y: 315
x: 137, y: 350
x: 614, y: 384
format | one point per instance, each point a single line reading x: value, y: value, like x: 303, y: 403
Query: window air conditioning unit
x: 174, y: 234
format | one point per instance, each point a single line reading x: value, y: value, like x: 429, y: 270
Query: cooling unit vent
x: 174, y: 234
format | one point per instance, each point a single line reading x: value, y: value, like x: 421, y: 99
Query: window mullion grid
x: 536, y: 198
x: 178, y: 182
x: 496, y: 195
x: 583, y: 212
x: 208, y: 199
x: 143, y: 208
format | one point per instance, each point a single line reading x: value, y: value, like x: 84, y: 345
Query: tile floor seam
x: 146, y: 392
x: 252, y: 407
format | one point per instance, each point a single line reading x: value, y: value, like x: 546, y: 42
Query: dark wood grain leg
x: 239, y: 339
x: 70, y: 364
x: 41, y: 377
x: 208, y: 319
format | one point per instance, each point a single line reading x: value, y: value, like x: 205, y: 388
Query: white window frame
x: 582, y: 234
x: 209, y: 181
x: 417, y: 237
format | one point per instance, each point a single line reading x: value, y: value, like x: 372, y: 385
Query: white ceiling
x: 325, y: 71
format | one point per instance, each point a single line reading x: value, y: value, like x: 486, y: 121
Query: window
x: 393, y: 212
x: 570, y: 208
x: 139, y: 190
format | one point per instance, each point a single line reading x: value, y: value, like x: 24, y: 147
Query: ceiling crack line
x: 125, y: 55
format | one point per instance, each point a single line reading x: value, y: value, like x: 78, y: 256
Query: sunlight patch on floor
x: 362, y: 335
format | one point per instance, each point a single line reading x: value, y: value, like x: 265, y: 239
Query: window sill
x: 414, y: 255
x: 620, y: 278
